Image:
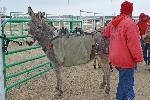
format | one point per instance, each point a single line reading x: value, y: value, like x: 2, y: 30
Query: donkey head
x: 39, y: 29
x: 35, y: 16
x: 37, y: 24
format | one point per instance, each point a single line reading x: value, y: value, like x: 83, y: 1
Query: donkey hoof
x: 59, y: 91
x: 94, y: 66
x: 102, y: 86
x: 99, y: 66
x: 107, y: 90
x: 111, y: 70
x: 58, y: 94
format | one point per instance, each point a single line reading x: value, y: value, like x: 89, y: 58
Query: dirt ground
x: 80, y: 83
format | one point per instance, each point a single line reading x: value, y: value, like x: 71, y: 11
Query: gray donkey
x: 100, y: 55
x: 41, y: 31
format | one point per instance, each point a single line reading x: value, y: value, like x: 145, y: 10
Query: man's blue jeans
x: 125, y: 89
x: 146, y: 51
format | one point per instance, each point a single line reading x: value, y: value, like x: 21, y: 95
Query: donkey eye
x: 39, y: 27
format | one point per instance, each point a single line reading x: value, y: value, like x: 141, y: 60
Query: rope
x: 7, y: 41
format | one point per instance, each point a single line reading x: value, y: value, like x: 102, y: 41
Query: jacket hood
x: 118, y: 19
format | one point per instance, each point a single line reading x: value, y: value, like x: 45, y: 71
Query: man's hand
x: 141, y: 63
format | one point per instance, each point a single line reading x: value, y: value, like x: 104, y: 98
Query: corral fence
x: 15, y: 29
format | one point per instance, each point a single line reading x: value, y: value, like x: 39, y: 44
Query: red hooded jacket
x: 125, y: 48
x: 142, y: 24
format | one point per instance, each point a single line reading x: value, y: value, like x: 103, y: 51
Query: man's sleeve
x: 133, y: 42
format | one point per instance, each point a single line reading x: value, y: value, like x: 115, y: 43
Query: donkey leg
x: 57, y: 68
x: 99, y: 62
x: 103, y: 84
x: 107, y: 90
x: 59, y: 81
x: 94, y: 64
x: 99, y: 66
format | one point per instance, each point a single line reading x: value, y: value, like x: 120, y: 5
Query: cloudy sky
x: 59, y: 7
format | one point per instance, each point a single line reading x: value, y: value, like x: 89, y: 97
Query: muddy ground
x: 79, y: 83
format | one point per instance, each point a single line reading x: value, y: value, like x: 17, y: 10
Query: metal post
x: 81, y: 23
x: 10, y: 18
x: 10, y: 25
x: 2, y: 89
x: 47, y: 16
x: 94, y: 22
x: 80, y: 14
x: 71, y: 25
x: 103, y: 21
x: 59, y: 22
x: 95, y: 19
x: 81, y: 18
x: 22, y: 28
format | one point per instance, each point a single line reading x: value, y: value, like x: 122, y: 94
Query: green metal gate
x: 7, y: 66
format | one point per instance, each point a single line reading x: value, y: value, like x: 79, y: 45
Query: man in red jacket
x: 124, y: 50
x: 143, y: 26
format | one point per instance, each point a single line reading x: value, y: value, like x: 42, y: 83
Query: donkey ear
x: 43, y: 14
x: 39, y: 15
x: 30, y: 11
